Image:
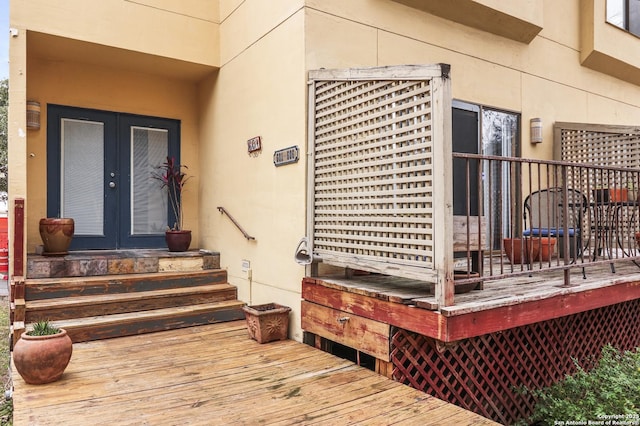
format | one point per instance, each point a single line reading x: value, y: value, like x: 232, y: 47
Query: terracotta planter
x: 56, y: 234
x: 542, y: 248
x: 266, y: 323
x: 605, y: 195
x: 525, y: 250
x: 516, y: 250
x: 42, y: 359
x: 178, y: 240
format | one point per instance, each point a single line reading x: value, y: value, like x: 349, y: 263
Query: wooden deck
x: 216, y: 375
x: 501, y: 304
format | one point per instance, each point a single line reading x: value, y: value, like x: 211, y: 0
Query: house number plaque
x: 254, y: 145
x: 285, y: 156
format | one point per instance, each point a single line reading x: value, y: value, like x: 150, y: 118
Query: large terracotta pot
x: 56, y: 234
x: 543, y: 248
x: 516, y: 250
x: 178, y: 240
x: 42, y: 359
x: 525, y: 250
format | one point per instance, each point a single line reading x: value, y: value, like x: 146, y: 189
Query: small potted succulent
x: 172, y: 178
x: 42, y: 354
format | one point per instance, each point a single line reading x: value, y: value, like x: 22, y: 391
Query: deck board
x: 496, y: 293
x: 215, y: 374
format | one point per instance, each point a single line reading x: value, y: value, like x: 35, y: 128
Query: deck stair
x: 99, y: 295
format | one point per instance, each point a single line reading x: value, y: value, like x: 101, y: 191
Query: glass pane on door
x: 82, y: 175
x: 149, y: 149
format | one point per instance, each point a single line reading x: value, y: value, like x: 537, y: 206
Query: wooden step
x: 126, y: 324
x: 107, y: 304
x: 48, y: 288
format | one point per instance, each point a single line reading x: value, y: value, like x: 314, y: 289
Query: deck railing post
x: 442, y: 202
x: 18, y: 238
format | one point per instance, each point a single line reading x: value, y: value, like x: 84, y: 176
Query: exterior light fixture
x: 33, y: 115
x: 536, y: 130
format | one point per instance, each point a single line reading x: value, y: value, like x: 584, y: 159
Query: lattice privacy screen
x: 372, y: 171
x: 600, y: 145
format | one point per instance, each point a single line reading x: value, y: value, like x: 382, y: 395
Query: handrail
x: 224, y: 211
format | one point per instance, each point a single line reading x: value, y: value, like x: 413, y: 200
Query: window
x: 624, y: 14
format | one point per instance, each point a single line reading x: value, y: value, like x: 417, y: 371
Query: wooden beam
x: 467, y: 233
x: 458, y: 327
x: 410, y: 318
x: 363, y: 334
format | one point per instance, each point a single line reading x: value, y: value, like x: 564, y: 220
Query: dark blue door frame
x: 115, y: 174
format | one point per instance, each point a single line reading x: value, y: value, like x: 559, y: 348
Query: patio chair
x: 544, y: 217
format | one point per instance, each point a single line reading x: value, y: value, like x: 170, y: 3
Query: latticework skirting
x: 484, y: 374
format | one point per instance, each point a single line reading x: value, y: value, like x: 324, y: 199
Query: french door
x: 100, y: 168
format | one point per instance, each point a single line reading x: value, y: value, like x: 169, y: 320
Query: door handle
x: 112, y: 184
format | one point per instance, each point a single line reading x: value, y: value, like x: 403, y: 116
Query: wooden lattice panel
x: 604, y: 147
x: 599, y: 145
x: 483, y: 374
x: 373, y: 171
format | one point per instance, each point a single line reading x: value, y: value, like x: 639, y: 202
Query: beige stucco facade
x: 230, y: 70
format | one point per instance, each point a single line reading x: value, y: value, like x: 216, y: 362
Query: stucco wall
x: 541, y: 79
x: 260, y: 90
x: 185, y: 30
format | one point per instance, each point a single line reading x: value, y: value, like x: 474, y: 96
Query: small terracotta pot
x: 178, y: 240
x: 268, y: 322
x: 42, y: 359
x: 56, y: 234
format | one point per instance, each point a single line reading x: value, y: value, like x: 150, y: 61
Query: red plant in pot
x: 172, y: 178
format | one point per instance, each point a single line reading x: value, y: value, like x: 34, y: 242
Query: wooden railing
x: 561, y: 215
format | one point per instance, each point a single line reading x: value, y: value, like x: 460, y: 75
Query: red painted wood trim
x: 489, y: 321
x: 410, y: 318
x: 18, y: 238
x: 458, y: 327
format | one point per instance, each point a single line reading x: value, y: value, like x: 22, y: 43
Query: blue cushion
x: 548, y: 232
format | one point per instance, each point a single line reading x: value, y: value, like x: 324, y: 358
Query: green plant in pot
x: 42, y: 354
x: 172, y: 179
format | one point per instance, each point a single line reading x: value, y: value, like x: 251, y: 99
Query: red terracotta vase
x: 56, y: 234
x: 42, y: 359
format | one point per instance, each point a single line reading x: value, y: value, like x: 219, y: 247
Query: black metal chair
x: 545, y: 212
